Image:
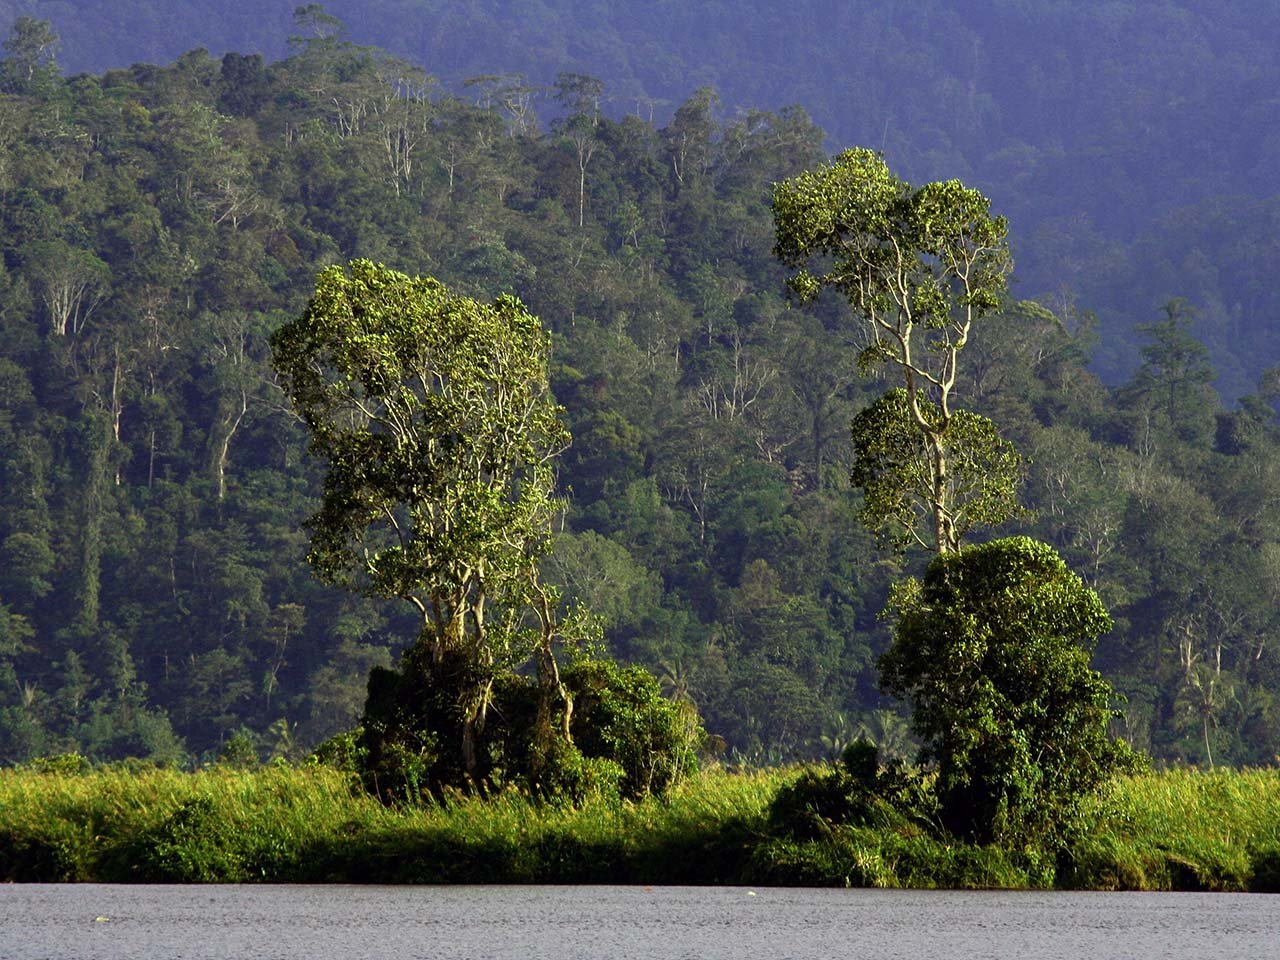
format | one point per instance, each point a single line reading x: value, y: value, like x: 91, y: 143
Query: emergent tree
x: 919, y: 267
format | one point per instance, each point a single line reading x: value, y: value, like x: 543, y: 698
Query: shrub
x: 341, y: 751
x: 405, y: 715
x: 568, y: 774
x: 194, y: 844
x: 857, y: 792
x: 64, y: 764
x: 619, y: 714
x: 240, y: 752
x: 992, y: 649
x: 627, y: 740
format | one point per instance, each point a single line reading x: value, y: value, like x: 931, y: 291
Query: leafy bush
x: 992, y: 649
x: 194, y: 844
x: 857, y: 792
x: 240, y: 752
x: 812, y: 804
x: 620, y: 715
x: 568, y: 774
x: 405, y: 715
x: 627, y: 739
x: 63, y: 763
x: 341, y: 751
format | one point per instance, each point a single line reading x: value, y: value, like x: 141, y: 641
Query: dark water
x: 88, y: 922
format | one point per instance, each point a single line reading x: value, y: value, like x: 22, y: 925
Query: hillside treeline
x: 161, y: 222
x: 1131, y: 144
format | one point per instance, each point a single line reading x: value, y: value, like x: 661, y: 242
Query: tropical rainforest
x: 1132, y: 144
x: 162, y: 222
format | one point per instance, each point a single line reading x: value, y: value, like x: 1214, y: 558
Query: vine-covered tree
x: 435, y: 419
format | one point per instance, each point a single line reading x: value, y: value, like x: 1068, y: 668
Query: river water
x: 104, y: 922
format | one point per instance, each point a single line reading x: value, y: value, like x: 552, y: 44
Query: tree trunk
x: 474, y: 714
x: 231, y: 423
x: 944, y: 531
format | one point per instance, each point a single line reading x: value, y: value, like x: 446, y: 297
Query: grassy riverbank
x: 1184, y: 830
x: 1177, y: 830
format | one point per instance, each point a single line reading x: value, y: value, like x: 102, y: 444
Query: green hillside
x: 1132, y: 145
x: 161, y: 221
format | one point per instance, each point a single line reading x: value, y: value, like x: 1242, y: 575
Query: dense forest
x: 160, y: 222
x: 1131, y: 144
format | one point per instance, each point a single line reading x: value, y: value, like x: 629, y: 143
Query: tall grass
x: 121, y: 824
x: 703, y: 833
x: 312, y: 824
x: 1182, y: 830
x: 1173, y: 830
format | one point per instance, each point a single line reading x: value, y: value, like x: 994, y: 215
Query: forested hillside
x: 161, y: 221
x: 1132, y: 145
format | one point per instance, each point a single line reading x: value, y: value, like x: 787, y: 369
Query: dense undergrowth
x: 1175, y: 830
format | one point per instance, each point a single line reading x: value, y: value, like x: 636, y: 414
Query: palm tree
x: 889, y: 731
x: 1204, y: 695
x: 675, y: 679
x: 837, y: 734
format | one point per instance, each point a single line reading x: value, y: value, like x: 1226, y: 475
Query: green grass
x: 1183, y: 830
x: 1173, y: 830
x: 312, y: 824
x: 119, y: 824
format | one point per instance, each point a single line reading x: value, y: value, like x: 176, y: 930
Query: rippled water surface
x: 530, y: 923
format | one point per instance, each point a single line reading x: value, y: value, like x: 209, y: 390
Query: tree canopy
x: 434, y: 416
x: 919, y: 268
x: 154, y: 480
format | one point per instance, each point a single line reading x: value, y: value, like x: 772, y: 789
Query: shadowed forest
x: 1132, y: 145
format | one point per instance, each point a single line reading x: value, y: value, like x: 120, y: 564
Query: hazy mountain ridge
x: 1090, y: 125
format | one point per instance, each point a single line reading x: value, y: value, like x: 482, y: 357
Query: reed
x: 702, y: 833
x: 128, y: 824
x: 1182, y: 830
x: 314, y: 824
x: 1171, y: 830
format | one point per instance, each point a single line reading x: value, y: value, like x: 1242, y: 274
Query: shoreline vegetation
x: 1173, y: 830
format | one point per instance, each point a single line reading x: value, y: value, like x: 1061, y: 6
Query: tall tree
x: 30, y: 50
x: 1176, y: 377
x: 919, y: 267
x: 435, y: 418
